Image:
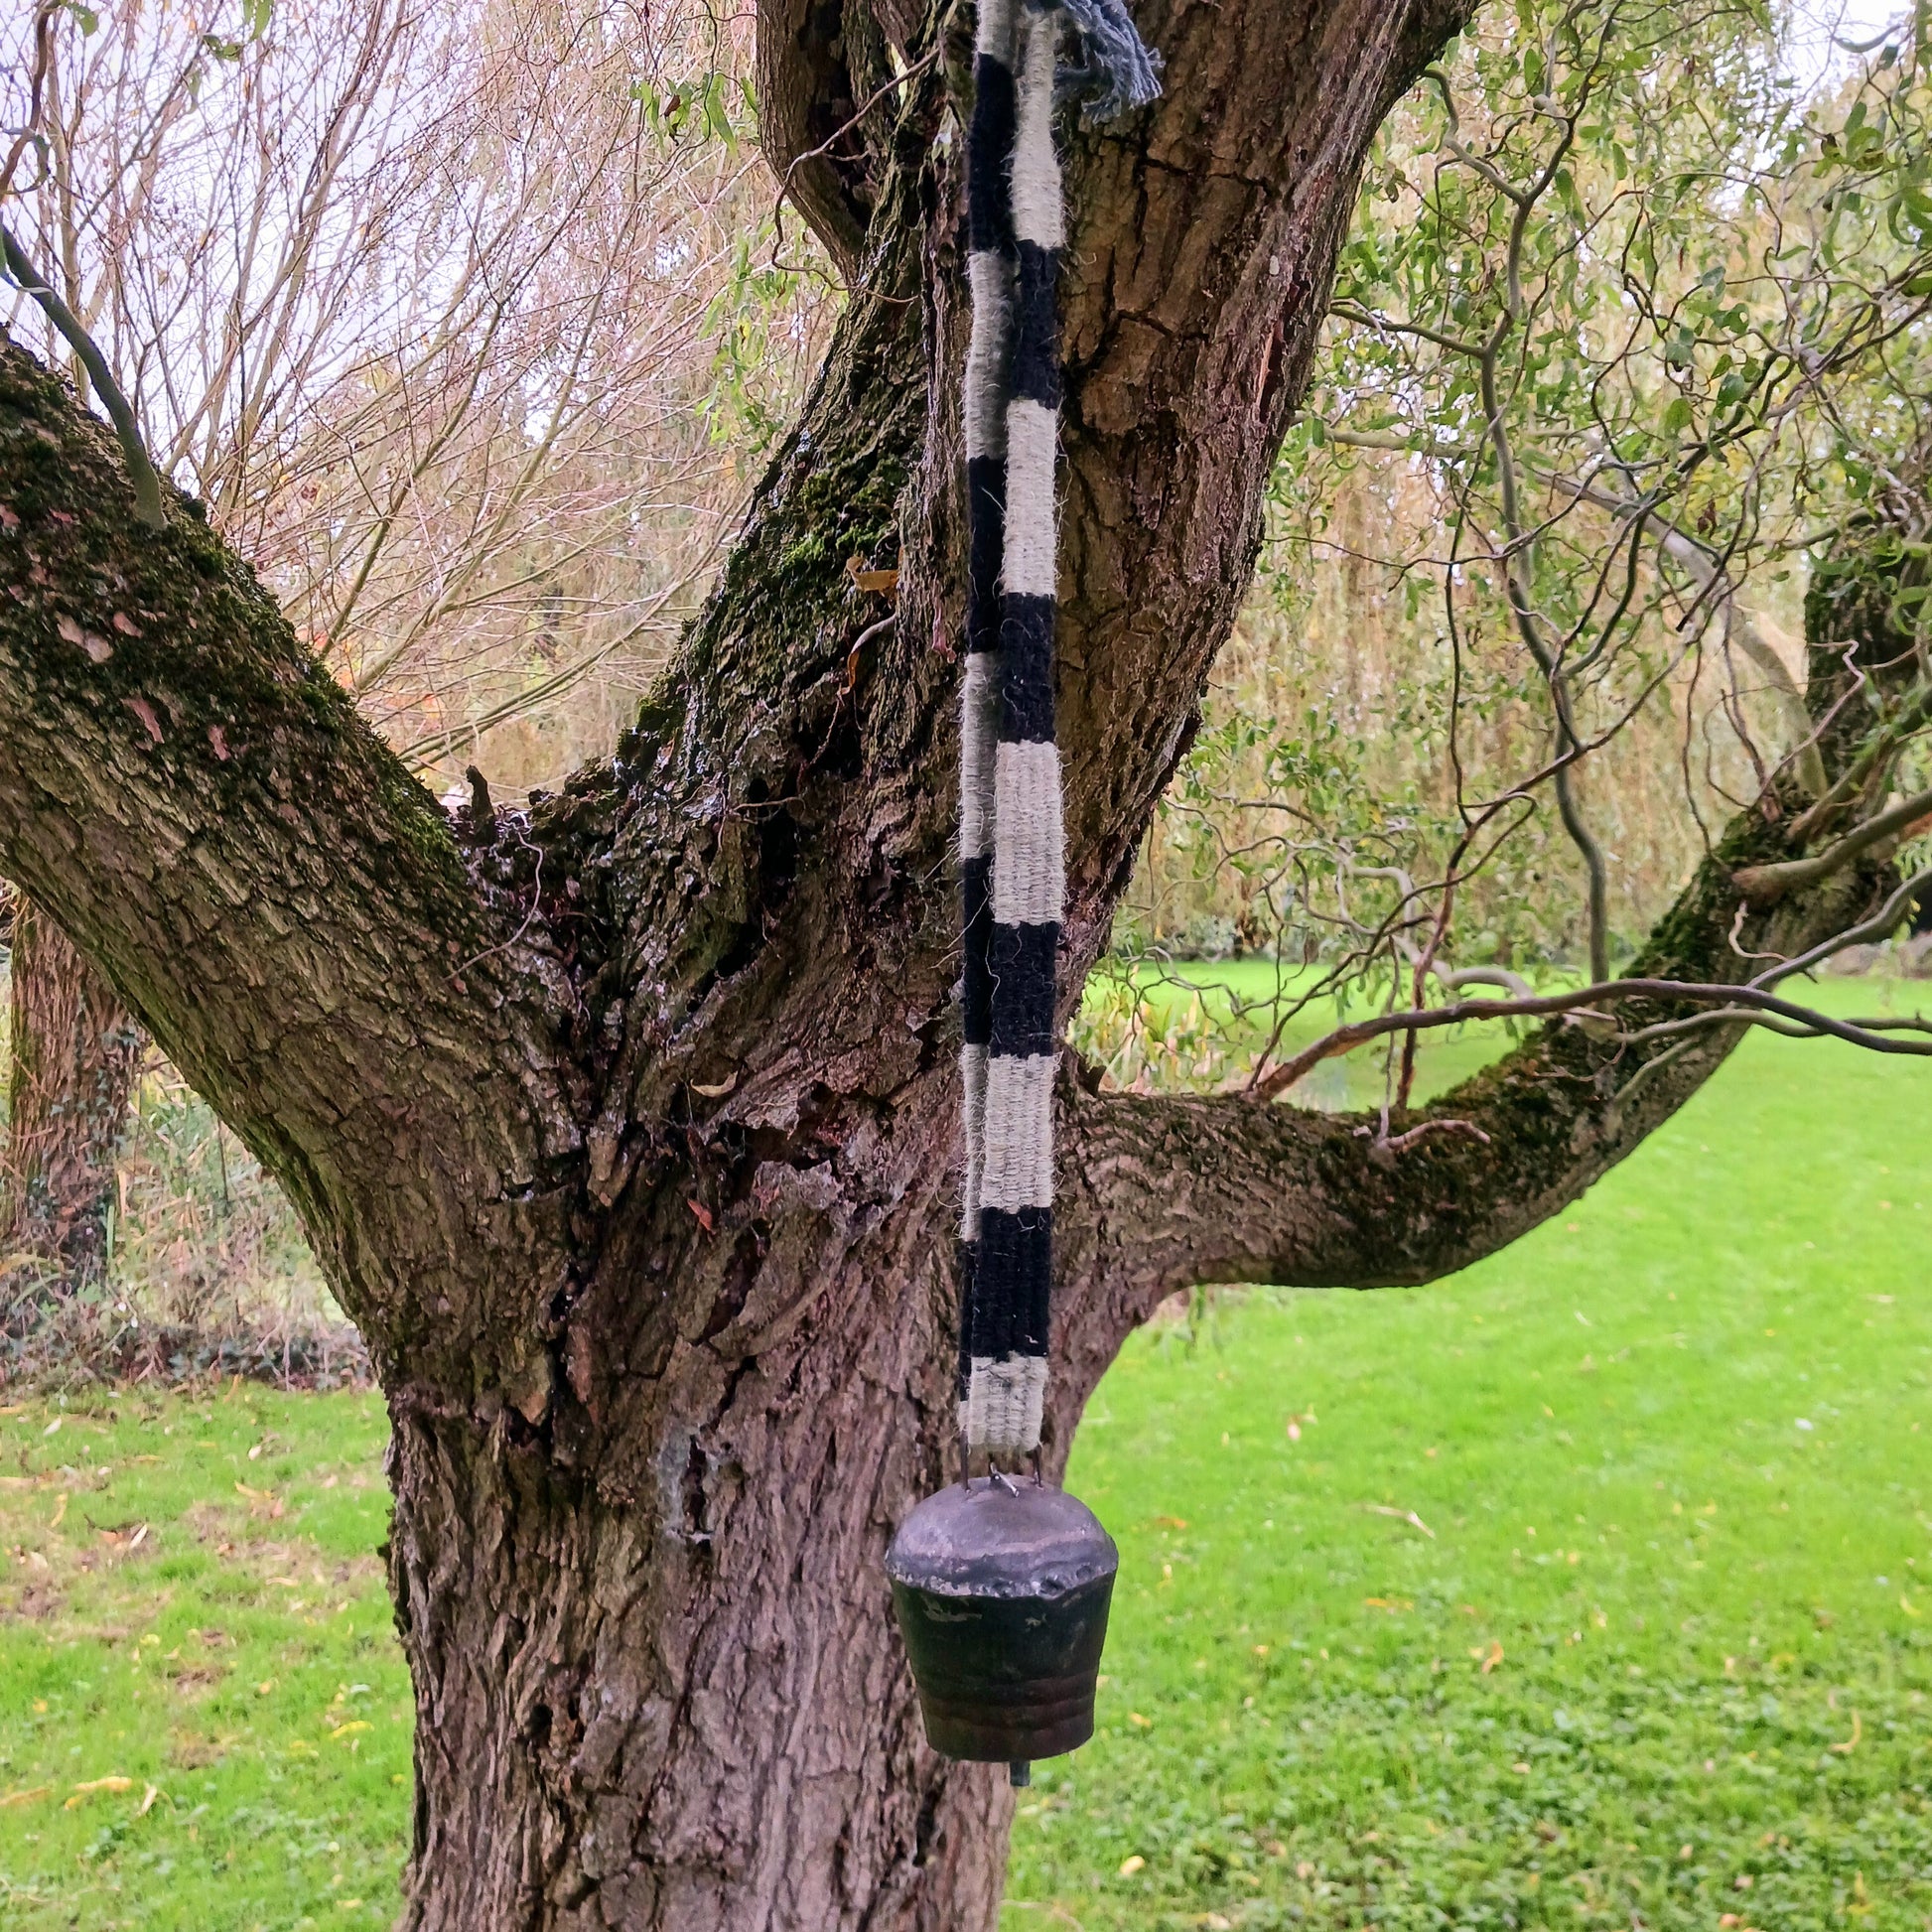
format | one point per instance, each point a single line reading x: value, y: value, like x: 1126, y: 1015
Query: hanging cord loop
x: 1012, y: 845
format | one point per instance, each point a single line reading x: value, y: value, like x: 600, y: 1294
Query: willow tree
x: 625, y: 1123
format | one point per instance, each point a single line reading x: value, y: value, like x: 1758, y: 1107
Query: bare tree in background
x: 460, y: 321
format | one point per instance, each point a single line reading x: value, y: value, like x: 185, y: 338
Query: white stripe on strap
x: 1004, y: 1400
x: 1038, y: 216
x: 991, y: 277
x: 1018, y: 1163
x: 1032, y: 434
x: 1030, y: 850
x: 995, y: 36
x: 979, y: 731
x: 972, y: 1080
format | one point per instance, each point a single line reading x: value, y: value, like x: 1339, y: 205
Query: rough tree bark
x: 75, y: 1051
x: 624, y: 1124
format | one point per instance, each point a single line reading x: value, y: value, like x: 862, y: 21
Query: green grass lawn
x: 204, y: 1721
x: 1522, y: 1601
x: 1591, y: 1586
x: 1199, y: 1023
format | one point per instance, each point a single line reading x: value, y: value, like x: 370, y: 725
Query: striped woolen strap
x: 1012, y: 845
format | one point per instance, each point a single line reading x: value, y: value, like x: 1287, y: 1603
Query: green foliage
x: 1627, y: 329
x: 715, y: 105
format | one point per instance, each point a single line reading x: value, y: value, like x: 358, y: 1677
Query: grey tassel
x: 1117, y: 72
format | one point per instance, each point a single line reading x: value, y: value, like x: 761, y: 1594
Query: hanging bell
x: 1002, y: 1589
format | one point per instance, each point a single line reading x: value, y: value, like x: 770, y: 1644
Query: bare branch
x: 147, y: 485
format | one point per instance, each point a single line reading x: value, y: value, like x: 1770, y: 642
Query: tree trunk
x: 624, y: 1124
x: 76, y: 1049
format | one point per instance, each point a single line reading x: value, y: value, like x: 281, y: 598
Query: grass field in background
x: 1524, y: 1600
x: 204, y: 1721
x: 1590, y: 1587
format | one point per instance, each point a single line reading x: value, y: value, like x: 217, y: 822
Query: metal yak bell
x: 1002, y: 1589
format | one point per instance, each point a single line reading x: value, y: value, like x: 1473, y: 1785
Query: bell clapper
x: 1004, y: 1480
x: 1021, y: 1773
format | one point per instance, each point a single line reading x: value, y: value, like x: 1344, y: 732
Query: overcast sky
x: 1816, y: 24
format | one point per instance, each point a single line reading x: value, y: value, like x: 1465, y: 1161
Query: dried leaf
x: 82, y: 1792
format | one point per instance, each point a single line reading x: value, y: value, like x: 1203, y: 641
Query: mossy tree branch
x: 208, y: 817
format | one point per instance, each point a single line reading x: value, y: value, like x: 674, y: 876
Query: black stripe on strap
x: 989, y: 152
x: 1014, y: 1271
x: 1022, y: 989
x: 1037, y: 326
x: 986, y: 509
x: 968, y: 1297
x: 1026, y: 669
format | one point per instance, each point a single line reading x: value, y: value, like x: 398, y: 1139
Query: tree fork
x: 623, y: 1125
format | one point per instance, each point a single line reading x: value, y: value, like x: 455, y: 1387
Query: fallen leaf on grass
x: 355, y: 1724
x: 1407, y: 1516
x: 82, y: 1792
x: 25, y: 1797
x: 1128, y: 1867
x: 1140, y: 1723
x: 1852, y: 1743
x: 60, y: 1510
x: 147, y: 1803
x: 1390, y: 1604
x: 1487, y: 1658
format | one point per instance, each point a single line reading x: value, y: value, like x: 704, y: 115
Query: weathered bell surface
x: 1002, y: 1591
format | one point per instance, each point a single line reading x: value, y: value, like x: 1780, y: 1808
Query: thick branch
x: 285, y: 910
x: 1767, y: 885
x: 1168, y: 1191
x: 809, y: 120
